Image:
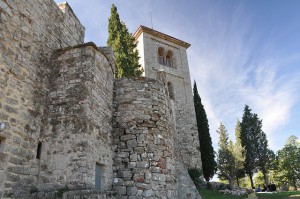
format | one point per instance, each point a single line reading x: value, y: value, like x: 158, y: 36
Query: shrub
x: 195, y: 175
x: 209, y: 186
x: 33, y: 190
x: 227, y: 186
x: 61, y: 191
x: 222, y: 186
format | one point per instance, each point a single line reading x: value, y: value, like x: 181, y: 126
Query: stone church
x: 69, y: 129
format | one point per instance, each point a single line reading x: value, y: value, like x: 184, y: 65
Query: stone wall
x: 186, y: 136
x: 79, y: 117
x: 58, y: 109
x: 29, y: 32
x: 143, y: 129
x: 81, y: 194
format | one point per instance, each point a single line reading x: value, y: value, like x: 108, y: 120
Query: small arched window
x: 161, y: 59
x: 170, y: 89
x: 169, y: 59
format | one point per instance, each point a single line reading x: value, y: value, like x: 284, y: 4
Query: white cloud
x: 232, y: 68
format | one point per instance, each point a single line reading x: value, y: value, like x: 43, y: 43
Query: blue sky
x: 243, y: 52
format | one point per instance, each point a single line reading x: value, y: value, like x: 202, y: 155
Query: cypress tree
x: 123, y: 44
x: 240, y: 159
x: 247, y: 139
x: 209, y: 164
x: 226, y: 159
x: 254, y: 140
x: 114, y: 25
x: 264, y: 155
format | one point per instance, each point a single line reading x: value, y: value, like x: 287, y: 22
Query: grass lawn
x: 214, y: 194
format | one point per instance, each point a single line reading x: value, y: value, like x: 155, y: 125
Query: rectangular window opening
x: 98, y: 177
x: 39, y: 151
x: 2, y: 139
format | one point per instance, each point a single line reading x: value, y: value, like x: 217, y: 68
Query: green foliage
x: 288, y: 164
x: 264, y: 156
x: 114, y: 25
x: 226, y: 159
x: 239, y: 153
x: 247, y: 139
x: 209, y: 186
x: 245, y: 182
x: 254, y: 140
x: 195, y: 175
x: 222, y: 186
x: 214, y: 194
x: 209, y: 164
x: 61, y: 191
x: 293, y: 140
x: 123, y: 44
x: 259, y: 179
x: 33, y: 190
x: 230, y: 156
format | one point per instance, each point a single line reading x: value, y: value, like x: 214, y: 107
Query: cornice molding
x: 160, y: 35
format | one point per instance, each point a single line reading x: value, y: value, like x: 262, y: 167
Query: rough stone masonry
x: 70, y: 129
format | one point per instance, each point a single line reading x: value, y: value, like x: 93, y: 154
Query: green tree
x: 288, y: 164
x: 293, y: 140
x: 264, y: 156
x: 247, y: 139
x: 123, y: 44
x: 226, y: 159
x: 254, y: 140
x: 239, y: 153
x: 209, y: 164
x: 259, y: 179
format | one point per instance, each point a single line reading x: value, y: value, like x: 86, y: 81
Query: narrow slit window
x: 169, y: 59
x: 39, y: 151
x: 170, y: 89
x: 98, y: 177
x: 1, y: 144
x: 161, y: 59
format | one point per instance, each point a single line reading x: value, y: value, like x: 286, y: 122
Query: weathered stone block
x: 120, y: 190
x: 132, y: 191
x: 143, y: 186
x: 131, y: 165
x: 144, y: 164
x: 131, y: 143
x: 125, y: 174
x: 118, y: 181
x: 148, y: 193
x: 135, y: 197
x: 133, y: 157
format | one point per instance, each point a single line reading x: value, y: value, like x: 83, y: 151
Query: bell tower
x: 164, y: 57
